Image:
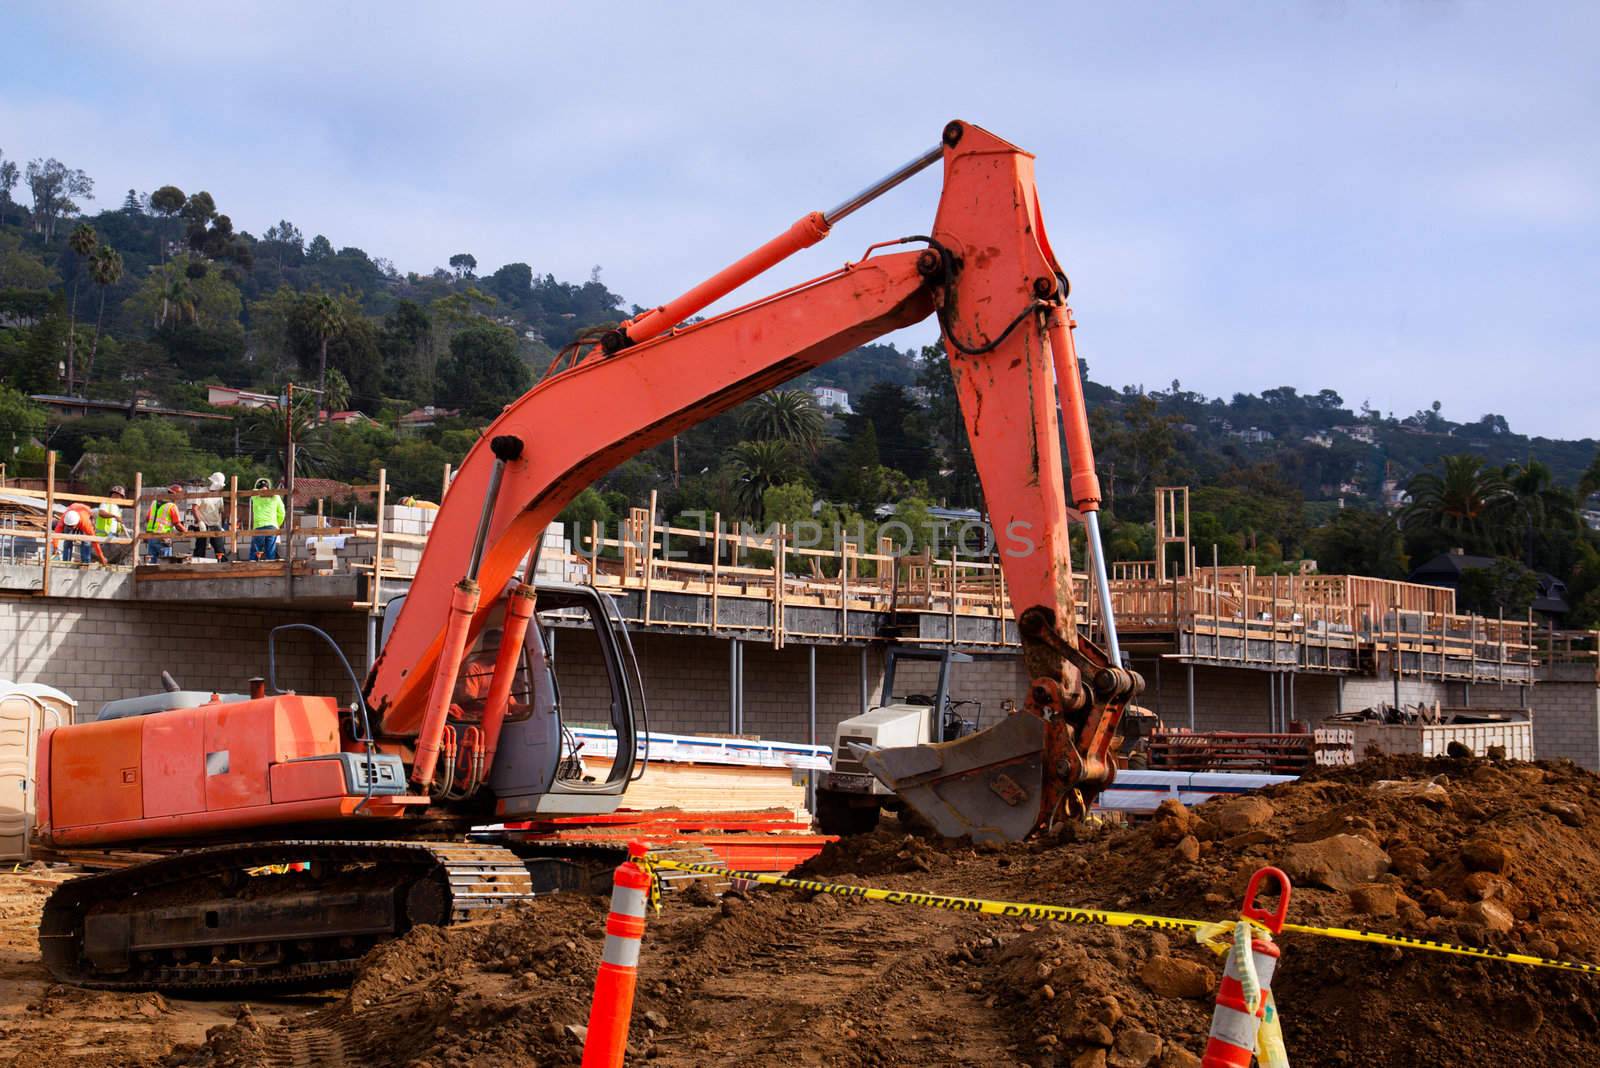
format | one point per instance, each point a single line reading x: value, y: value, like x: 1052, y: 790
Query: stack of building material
x: 1272, y: 754
x: 707, y: 774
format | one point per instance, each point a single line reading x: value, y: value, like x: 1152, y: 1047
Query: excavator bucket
x: 989, y: 785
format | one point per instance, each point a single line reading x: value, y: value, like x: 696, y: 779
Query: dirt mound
x: 1476, y: 852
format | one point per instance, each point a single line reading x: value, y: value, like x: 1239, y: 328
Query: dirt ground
x: 1499, y: 855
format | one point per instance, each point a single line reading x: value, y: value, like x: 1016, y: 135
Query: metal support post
x: 811, y: 722
x: 1191, y: 696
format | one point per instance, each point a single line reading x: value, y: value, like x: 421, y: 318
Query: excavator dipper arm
x: 988, y: 272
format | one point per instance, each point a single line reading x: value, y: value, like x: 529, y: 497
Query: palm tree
x: 105, y: 268
x: 760, y: 465
x: 337, y: 397
x: 82, y: 242
x: 263, y: 433
x: 785, y: 415
x: 178, y: 298
x: 1536, y: 504
x: 327, y: 321
x: 1464, y: 501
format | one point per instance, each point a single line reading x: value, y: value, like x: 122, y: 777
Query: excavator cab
x: 538, y: 769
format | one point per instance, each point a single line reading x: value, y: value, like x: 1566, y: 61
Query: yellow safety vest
x: 163, y: 517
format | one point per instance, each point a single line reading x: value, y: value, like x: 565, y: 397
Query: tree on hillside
x: 463, y: 263
x: 55, y: 187
x: 903, y: 440
x: 320, y: 249
x: 20, y: 269
x: 1589, y: 483
x: 1463, y: 502
x: 1359, y: 542
x: 326, y: 319
x: 105, y: 268
x: 166, y: 202
x: 21, y: 421
x: 785, y: 415
x: 286, y: 239
x: 483, y: 372
x: 512, y: 283
x: 131, y: 205
x: 759, y: 466
x: 184, y: 290
x: 351, y: 347
x: 82, y: 242
x: 406, y: 342
x: 8, y: 182
x: 1535, y: 506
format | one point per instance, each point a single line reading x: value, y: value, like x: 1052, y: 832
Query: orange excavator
x: 295, y: 832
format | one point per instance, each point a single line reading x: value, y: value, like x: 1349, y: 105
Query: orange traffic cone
x: 1246, y: 981
x: 609, y: 1013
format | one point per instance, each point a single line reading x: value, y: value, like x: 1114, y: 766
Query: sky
x: 1398, y: 201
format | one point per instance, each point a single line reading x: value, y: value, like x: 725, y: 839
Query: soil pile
x: 1470, y: 851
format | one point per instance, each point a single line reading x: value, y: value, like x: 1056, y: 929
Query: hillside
x: 151, y: 302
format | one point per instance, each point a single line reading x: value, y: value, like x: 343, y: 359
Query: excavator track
x: 288, y: 914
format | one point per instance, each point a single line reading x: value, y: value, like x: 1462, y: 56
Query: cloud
x: 1392, y: 201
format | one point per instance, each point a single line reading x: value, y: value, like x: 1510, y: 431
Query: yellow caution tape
x: 1068, y: 914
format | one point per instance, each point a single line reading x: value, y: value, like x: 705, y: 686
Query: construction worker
x: 108, y: 524
x: 266, y: 513
x: 163, y: 520
x: 75, y: 520
x: 207, y: 513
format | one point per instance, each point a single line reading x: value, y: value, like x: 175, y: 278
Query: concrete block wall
x: 99, y: 651
x: 1566, y: 722
x: 1230, y: 699
x: 687, y: 682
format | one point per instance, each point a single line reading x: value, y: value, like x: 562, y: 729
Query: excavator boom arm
x: 988, y: 272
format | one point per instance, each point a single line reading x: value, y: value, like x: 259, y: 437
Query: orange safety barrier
x: 1237, y: 1019
x: 607, y: 1039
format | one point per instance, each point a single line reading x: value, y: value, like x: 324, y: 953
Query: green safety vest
x: 105, y: 524
x: 266, y: 512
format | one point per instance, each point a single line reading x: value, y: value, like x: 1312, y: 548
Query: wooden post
x: 844, y: 587
x: 138, y: 518
x: 716, y: 566
x: 49, y: 518
x: 377, y: 544
x: 444, y: 486
x: 779, y: 556
x: 954, y: 595
x: 1216, y: 606
x: 649, y: 558
x: 233, y: 518
x: 1274, y: 642
x: 1249, y: 589
x: 594, y: 550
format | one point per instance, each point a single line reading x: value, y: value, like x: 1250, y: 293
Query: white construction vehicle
x: 850, y: 797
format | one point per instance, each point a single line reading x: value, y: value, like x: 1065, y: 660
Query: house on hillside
x: 1252, y: 435
x: 227, y: 397
x: 1319, y: 439
x: 350, y: 418
x: 1447, y: 569
x: 1358, y: 432
x: 423, y: 418
x: 830, y: 399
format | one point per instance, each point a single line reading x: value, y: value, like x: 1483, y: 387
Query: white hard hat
x: 218, y: 480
